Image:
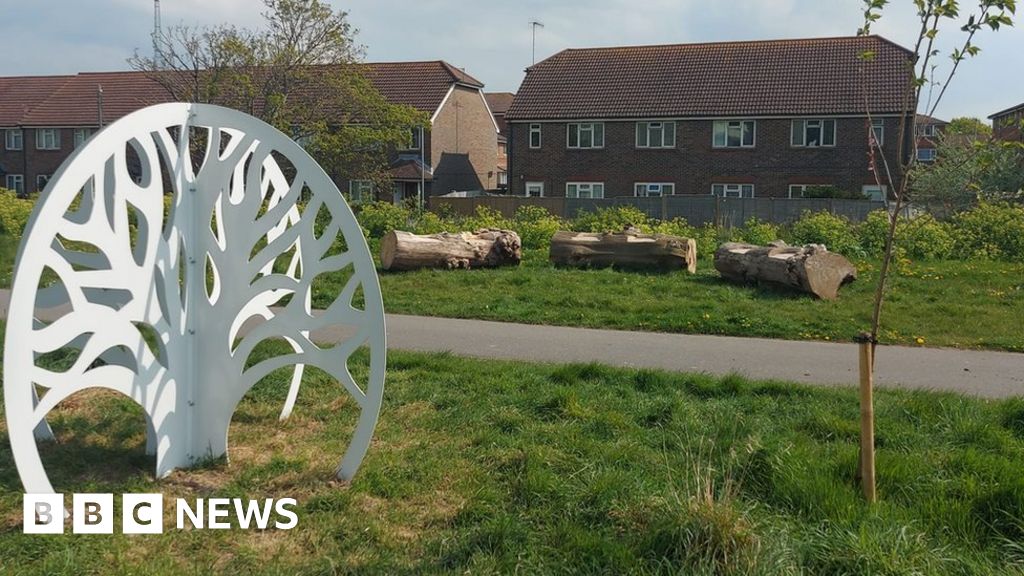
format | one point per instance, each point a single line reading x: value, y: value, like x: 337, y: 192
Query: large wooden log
x: 481, y: 249
x: 810, y: 268
x: 626, y: 249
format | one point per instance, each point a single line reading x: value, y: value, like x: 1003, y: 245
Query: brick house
x: 499, y: 103
x: 44, y: 118
x: 763, y: 118
x: 1006, y: 124
x: 929, y: 130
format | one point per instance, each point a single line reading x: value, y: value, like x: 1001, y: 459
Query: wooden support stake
x: 867, y: 418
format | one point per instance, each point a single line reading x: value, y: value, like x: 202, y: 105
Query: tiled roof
x: 410, y: 169
x: 925, y: 119
x: 75, y: 102
x: 422, y: 85
x: 792, y: 77
x: 499, y: 102
x: 20, y: 94
x: 1008, y: 111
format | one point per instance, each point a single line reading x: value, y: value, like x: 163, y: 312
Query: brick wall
x: 464, y: 144
x: 693, y: 165
x: 30, y: 161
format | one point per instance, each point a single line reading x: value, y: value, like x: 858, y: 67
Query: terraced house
x: 735, y: 119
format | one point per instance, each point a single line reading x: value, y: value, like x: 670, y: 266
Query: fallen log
x: 481, y: 249
x: 627, y: 249
x: 811, y: 268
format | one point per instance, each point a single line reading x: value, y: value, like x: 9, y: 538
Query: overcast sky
x: 491, y: 39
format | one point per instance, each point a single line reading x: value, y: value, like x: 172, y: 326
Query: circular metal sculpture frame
x: 165, y: 302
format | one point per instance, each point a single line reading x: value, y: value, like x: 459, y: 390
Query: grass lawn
x: 965, y: 305
x: 498, y: 467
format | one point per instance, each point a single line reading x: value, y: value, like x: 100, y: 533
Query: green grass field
x: 487, y: 467
x: 965, y: 305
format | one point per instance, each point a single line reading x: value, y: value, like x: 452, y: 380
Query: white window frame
x: 666, y: 130
x: 722, y: 128
x: 537, y: 186
x: 360, y: 191
x: 871, y: 190
x: 878, y: 126
x: 535, y: 129
x: 47, y: 139
x: 15, y: 182
x: 805, y: 124
x: 595, y: 190
x: 503, y: 179
x: 654, y: 189
x: 581, y: 128
x: 11, y: 135
x: 928, y: 131
x: 930, y: 156
x: 802, y: 188
x: 41, y: 181
x: 416, y: 139
x: 733, y: 190
x: 80, y: 136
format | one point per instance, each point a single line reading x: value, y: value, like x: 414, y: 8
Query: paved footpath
x: 981, y: 373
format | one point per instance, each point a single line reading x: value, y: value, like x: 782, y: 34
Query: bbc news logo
x: 144, y: 514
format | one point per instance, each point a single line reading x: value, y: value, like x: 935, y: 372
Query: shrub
x: 536, y: 226
x: 835, y: 232
x: 611, y: 220
x: 990, y: 231
x: 14, y: 212
x: 430, y: 223
x: 379, y: 218
x: 921, y: 237
x: 757, y: 232
x: 486, y: 218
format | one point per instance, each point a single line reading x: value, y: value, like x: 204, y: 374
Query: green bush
x: 611, y: 220
x: 14, y: 212
x: 379, y: 218
x: 536, y: 226
x: 921, y: 237
x: 486, y: 218
x: 430, y: 223
x: 755, y: 231
x: 990, y: 232
x: 835, y: 232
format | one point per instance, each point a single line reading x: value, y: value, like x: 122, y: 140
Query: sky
x: 491, y: 39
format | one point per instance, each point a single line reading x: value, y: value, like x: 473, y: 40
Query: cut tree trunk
x: 481, y: 249
x: 811, y: 268
x: 626, y: 249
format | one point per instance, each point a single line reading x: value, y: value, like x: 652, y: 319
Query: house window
x: 928, y: 130
x: 47, y: 139
x: 360, y: 191
x: 878, y: 127
x: 585, y: 135
x: 814, y: 133
x: 15, y: 139
x: 81, y: 135
x: 733, y: 134
x: 649, y: 189
x: 503, y: 179
x: 798, y: 190
x: 733, y: 190
x: 534, y: 135
x: 16, y: 182
x: 534, y: 189
x: 655, y: 134
x: 417, y: 139
x: 584, y: 190
x: 926, y: 154
x: 41, y: 181
x: 874, y: 192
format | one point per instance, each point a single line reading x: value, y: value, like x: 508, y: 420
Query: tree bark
x: 481, y: 249
x: 626, y: 249
x: 810, y: 268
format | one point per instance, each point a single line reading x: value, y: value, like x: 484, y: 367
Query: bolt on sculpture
x: 166, y: 305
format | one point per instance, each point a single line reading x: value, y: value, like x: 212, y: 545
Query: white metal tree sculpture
x: 167, y: 305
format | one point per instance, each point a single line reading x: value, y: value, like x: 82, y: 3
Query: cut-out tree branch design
x: 934, y: 18
x: 168, y: 303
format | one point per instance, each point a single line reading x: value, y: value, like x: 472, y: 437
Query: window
x: 360, y: 191
x: 797, y: 190
x: 586, y: 135
x: 47, y: 139
x: 16, y: 182
x: 733, y: 134
x: 929, y: 130
x: 926, y: 154
x: 81, y: 135
x: 733, y: 190
x: 584, y: 190
x: 417, y: 139
x: 655, y: 134
x: 534, y: 135
x: 878, y: 127
x: 651, y: 189
x: 503, y: 179
x: 15, y: 139
x: 873, y: 192
x: 813, y: 133
x: 41, y: 181
x: 535, y: 189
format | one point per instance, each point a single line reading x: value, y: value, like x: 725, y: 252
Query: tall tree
x: 968, y: 126
x: 300, y: 72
